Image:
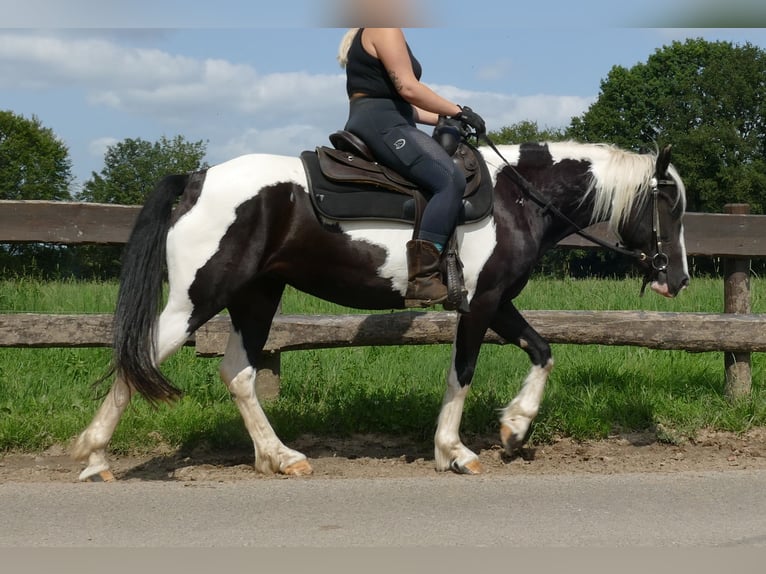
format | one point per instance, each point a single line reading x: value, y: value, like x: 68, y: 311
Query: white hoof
x: 514, y: 432
x: 458, y: 459
x: 97, y: 473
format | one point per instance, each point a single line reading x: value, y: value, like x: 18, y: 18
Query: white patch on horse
x: 518, y: 415
x: 389, y: 236
x: 684, y: 258
x: 495, y: 163
x: 477, y: 242
x: 226, y: 187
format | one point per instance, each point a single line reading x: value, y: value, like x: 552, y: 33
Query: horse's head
x: 654, y: 228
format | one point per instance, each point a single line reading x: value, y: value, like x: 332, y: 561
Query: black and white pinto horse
x: 233, y: 236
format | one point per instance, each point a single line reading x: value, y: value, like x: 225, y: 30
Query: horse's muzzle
x: 661, y: 287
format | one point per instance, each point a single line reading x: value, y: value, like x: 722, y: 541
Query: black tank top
x: 366, y: 74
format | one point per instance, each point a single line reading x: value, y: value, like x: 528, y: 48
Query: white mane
x: 620, y: 179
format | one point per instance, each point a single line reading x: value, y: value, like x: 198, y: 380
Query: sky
x: 261, y: 76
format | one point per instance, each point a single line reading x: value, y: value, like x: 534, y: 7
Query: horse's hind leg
x: 251, y: 316
x: 516, y: 418
x: 92, y: 443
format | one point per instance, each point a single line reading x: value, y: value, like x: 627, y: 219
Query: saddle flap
x: 345, y: 167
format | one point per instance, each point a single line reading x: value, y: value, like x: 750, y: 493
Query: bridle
x: 658, y: 261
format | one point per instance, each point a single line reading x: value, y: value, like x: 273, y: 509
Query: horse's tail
x: 140, y: 295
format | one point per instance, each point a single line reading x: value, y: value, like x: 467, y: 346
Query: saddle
x: 346, y: 183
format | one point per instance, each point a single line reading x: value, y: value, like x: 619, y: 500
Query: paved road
x: 680, y: 509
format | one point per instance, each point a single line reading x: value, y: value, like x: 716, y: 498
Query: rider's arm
x: 424, y: 117
x: 390, y: 47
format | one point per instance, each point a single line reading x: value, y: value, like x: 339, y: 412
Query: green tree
x: 134, y: 166
x: 34, y: 163
x: 708, y: 99
x: 526, y: 131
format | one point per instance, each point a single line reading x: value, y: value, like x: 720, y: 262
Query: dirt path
x: 367, y: 456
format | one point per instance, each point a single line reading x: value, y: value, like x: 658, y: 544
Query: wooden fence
x: 735, y: 236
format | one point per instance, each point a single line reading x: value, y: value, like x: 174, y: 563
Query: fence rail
x: 695, y: 332
x: 736, y: 236
x: 707, y: 234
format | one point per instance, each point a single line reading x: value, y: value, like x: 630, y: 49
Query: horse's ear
x: 663, y: 161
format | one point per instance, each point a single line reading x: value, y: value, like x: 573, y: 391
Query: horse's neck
x: 566, y: 213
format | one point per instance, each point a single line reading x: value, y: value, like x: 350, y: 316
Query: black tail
x: 140, y: 295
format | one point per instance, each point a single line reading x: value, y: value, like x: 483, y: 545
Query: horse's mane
x: 620, y: 179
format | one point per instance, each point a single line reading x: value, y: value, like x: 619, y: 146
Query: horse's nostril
x: 685, y: 283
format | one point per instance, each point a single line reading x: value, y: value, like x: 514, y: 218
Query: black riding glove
x: 472, y: 119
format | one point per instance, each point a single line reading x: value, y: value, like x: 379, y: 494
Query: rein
x: 659, y: 260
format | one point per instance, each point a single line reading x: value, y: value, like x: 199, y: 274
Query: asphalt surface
x: 626, y: 510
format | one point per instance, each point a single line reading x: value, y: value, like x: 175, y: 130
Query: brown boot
x: 425, y: 287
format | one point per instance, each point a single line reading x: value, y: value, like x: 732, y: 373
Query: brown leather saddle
x: 346, y: 183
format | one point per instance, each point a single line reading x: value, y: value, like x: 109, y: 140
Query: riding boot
x: 425, y: 287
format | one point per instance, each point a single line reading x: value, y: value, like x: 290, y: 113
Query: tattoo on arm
x: 396, y: 81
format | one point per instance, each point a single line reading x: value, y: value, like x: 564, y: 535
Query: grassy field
x: 46, y: 395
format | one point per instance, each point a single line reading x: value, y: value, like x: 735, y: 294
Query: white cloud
x: 97, y: 148
x: 232, y: 106
x: 169, y: 88
x: 287, y: 140
x: 500, y: 110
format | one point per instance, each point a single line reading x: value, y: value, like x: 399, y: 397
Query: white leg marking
x: 449, y: 450
x: 271, y: 455
x: 92, y: 442
x: 517, y: 417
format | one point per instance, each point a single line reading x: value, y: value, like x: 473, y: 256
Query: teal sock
x: 439, y: 246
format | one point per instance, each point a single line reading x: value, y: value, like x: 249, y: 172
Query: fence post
x: 736, y: 297
x: 268, y: 370
x: 267, y: 375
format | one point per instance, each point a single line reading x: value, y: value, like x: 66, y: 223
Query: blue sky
x: 253, y: 76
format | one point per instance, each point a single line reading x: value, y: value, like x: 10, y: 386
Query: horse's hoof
x: 300, y: 468
x: 102, y: 476
x: 470, y: 467
x: 511, y: 441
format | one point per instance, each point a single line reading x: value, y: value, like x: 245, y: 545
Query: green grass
x: 46, y: 396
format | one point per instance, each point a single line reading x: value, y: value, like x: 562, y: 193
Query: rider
x: 386, y: 100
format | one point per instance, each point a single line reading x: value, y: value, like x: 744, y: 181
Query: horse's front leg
x: 449, y: 451
x: 516, y: 418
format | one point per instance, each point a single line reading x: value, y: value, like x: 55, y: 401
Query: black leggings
x: 388, y: 129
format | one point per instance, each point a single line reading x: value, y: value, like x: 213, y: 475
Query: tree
x: 34, y: 163
x: 708, y: 99
x: 134, y: 166
x: 526, y: 131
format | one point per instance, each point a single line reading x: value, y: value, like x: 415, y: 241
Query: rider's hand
x: 472, y: 119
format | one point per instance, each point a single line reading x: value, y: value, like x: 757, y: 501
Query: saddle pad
x: 363, y: 201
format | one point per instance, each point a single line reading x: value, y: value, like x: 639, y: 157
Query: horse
x: 234, y: 235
